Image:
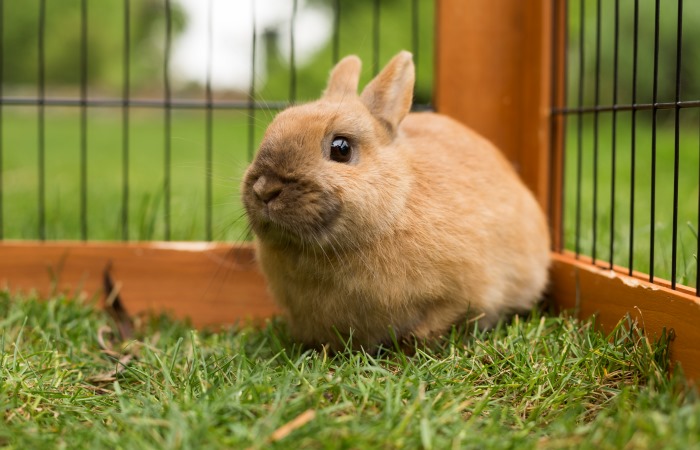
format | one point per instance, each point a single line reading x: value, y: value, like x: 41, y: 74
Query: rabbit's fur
x: 425, y: 226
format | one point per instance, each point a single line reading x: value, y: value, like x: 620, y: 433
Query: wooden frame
x: 494, y: 73
x: 211, y: 284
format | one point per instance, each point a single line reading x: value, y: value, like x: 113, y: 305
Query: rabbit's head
x: 331, y: 172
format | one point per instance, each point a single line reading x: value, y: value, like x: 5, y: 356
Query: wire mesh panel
x: 124, y: 120
x: 631, y: 145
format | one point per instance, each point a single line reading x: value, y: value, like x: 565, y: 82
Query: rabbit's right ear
x: 344, y: 79
x: 390, y: 95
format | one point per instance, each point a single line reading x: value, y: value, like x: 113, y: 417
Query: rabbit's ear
x: 390, y: 94
x: 344, y: 78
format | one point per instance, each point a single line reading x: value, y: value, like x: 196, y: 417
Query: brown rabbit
x: 372, y: 221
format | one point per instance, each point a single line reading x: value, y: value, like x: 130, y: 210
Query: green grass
x: 541, y: 382
x: 146, y: 173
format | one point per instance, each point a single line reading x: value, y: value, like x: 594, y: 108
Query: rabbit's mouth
x: 291, y: 222
x: 301, y: 234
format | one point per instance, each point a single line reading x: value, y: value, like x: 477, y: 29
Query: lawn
x: 538, y: 382
x: 146, y: 173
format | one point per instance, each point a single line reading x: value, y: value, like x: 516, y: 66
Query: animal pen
x: 517, y: 72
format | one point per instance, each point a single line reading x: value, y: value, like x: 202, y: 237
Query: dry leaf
x: 296, y: 423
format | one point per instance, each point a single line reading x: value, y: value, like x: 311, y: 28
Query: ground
x: 539, y: 382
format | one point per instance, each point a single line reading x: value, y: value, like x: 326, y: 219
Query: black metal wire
x: 565, y: 101
x: 552, y: 117
x: 85, y: 104
x: 654, y: 106
x: 596, y: 116
x: 676, y: 155
x: 144, y: 103
x: 2, y: 78
x: 125, y: 103
x: 41, y: 123
x: 633, y: 143
x: 208, y: 197
x: 653, y: 143
x: 579, y: 136
x: 186, y: 104
x: 375, y: 37
x: 168, y: 118
x: 336, y: 31
x: 292, y: 56
x: 614, y: 131
x: 83, y: 119
x: 251, y: 93
x: 415, y: 36
x: 557, y: 50
x: 630, y: 107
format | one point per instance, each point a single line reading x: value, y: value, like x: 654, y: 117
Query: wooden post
x: 493, y: 73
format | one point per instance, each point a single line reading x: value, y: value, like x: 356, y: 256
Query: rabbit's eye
x: 341, y: 150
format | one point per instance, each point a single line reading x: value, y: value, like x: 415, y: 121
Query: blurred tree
x: 106, y: 40
x: 356, y: 36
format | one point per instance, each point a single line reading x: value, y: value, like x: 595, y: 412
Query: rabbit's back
x: 487, y: 223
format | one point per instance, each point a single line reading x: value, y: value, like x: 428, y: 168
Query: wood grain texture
x: 212, y: 284
x: 588, y: 290
x: 493, y: 73
x: 557, y: 122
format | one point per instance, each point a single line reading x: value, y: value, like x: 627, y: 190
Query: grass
x: 146, y: 174
x: 540, y: 382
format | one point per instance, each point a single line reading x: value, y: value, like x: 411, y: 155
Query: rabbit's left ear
x: 344, y: 79
x: 390, y: 95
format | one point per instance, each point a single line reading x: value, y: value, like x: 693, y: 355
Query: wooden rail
x: 586, y: 290
x: 211, y: 284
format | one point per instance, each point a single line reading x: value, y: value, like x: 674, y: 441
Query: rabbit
x: 374, y: 224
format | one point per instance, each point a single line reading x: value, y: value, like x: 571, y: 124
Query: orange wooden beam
x: 493, y: 73
x: 590, y: 290
x: 211, y: 284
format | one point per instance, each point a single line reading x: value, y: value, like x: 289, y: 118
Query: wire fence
x: 130, y: 159
x: 91, y: 166
x: 632, y: 137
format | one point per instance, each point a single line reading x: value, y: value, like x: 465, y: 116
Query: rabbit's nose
x: 267, y: 189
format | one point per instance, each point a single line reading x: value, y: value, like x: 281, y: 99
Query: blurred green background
x: 632, y: 219
x: 230, y: 137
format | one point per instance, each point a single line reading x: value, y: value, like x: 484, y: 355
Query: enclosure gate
x: 500, y: 68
